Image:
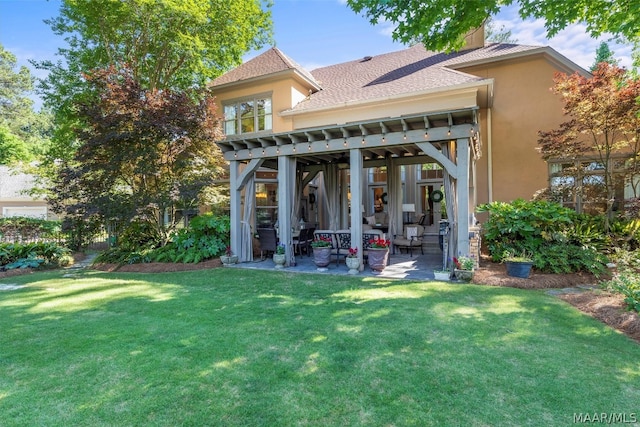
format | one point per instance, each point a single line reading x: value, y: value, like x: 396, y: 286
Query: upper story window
x: 248, y: 115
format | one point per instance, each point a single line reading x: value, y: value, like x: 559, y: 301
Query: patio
x: 401, y: 266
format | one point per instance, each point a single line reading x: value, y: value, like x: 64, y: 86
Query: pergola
x: 450, y: 138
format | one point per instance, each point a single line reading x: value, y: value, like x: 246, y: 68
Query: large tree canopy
x: 175, y: 44
x: 143, y: 153
x: 442, y: 24
x: 23, y: 132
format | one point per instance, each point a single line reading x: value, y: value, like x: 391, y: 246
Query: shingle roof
x: 406, y: 71
x: 270, y: 62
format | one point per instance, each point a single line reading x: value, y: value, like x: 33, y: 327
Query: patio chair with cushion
x: 268, y: 240
x: 411, y: 238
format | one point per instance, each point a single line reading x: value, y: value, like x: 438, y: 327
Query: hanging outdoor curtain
x: 451, y: 205
x: 332, y: 198
x: 394, y: 188
x: 295, y: 207
x: 246, y: 242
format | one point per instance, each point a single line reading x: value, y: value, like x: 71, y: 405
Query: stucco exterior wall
x: 416, y: 104
x: 284, y: 92
x: 523, y: 105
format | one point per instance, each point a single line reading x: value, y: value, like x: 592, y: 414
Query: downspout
x: 489, y: 156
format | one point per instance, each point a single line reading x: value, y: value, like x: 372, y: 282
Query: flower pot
x: 378, y: 258
x: 353, y: 264
x: 227, y: 260
x: 518, y: 269
x: 322, y: 256
x: 278, y: 260
x: 442, y: 275
x: 463, y: 275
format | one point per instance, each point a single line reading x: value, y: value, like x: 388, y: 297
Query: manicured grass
x: 258, y: 348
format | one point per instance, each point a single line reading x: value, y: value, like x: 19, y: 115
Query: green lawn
x: 236, y: 347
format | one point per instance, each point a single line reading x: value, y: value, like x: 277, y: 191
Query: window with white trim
x: 248, y: 115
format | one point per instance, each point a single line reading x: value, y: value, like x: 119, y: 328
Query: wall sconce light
x: 449, y: 132
x: 235, y: 154
x: 383, y: 139
x: 363, y: 140
x: 309, y: 147
x: 294, y: 148
x: 263, y: 151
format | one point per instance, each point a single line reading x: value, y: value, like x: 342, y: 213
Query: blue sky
x: 313, y: 33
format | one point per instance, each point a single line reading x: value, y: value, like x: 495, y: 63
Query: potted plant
x: 321, y: 251
x: 352, y: 261
x: 443, y: 275
x: 228, y: 258
x: 464, y: 268
x: 279, y: 256
x: 378, y: 253
x: 518, y: 266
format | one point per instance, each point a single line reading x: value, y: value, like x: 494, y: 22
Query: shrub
x: 560, y: 240
x: 206, y: 237
x: 16, y: 255
x: 627, y: 282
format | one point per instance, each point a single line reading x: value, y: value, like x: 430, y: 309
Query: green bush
x: 207, y: 236
x: 17, y: 255
x: 560, y: 240
x: 627, y: 282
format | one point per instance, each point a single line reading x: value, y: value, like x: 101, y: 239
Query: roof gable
x: 271, y: 62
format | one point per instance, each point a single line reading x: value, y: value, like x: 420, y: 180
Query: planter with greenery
x: 463, y: 270
x: 321, y: 251
x: 228, y: 258
x: 352, y: 261
x: 279, y: 257
x: 378, y: 253
x: 518, y: 266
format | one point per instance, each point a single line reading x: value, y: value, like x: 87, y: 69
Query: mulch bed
x: 607, y: 307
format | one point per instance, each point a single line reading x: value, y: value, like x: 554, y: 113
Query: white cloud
x: 572, y: 42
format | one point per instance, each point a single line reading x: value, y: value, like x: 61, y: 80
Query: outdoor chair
x: 303, y: 242
x: 268, y: 240
x: 343, y: 240
x: 411, y: 238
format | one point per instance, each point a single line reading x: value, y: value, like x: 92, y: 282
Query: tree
x: 603, y: 54
x: 497, y: 35
x: 600, y: 143
x: 144, y: 153
x: 442, y: 24
x: 23, y: 132
x: 172, y: 44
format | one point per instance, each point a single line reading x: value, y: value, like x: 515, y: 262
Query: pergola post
x: 462, y: 192
x: 356, y: 165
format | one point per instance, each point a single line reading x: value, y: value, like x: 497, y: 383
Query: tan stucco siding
x: 285, y: 93
x: 387, y: 108
x: 523, y: 105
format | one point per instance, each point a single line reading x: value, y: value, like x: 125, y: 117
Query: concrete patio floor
x: 401, y: 266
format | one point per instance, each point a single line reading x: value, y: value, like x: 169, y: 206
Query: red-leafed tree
x: 142, y: 155
x: 599, y: 145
